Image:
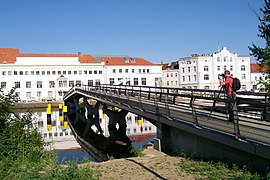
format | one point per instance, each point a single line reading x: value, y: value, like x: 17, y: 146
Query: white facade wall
x: 122, y: 74
x: 207, y: 67
x: 255, y: 79
x: 170, y: 78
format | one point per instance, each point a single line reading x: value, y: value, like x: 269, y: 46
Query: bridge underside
x: 196, y: 131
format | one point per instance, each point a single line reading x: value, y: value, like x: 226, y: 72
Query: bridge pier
x: 177, y: 141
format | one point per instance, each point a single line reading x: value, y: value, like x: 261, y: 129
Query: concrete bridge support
x: 175, y: 140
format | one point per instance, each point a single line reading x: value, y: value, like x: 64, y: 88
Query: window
x: 225, y: 68
x: 95, y: 71
x: 175, y: 74
x: 230, y: 59
x: 97, y: 81
x: 134, y: 130
x: 69, y: 72
x: 10, y: 73
x: 17, y: 84
x: 231, y: 68
x: 120, y: 81
x: 140, y: 71
x: 183, y: 70
x: 127, y: 81
x: 59, y: 72
x: 136, y: 82
x: 90, y: 72
x: 148, y: 70
x: 78, y: 82
x: 206, y: 87
x: 243, y: 67
x: 195, y: 78
x: 143, y: 81
x: 28, y: 94
x: 4, y: 73
x: 114, y: 70
x: 21, y: 72
x: 3, y: 85
x: 243, y: 76
x: 37, y: 72
x: 53, y: 72
x: 218, y: 59
x: 171, y: 74
x: 194, y: 68
x: 64, y: 72
x: 188, y: 78
x: 168, y: 75
x: 43, y: 72
x: 143, y: 70
x: 133, y: 70
x: 80, y: 72
x: 74, y: 72
x: 205, y: 68
x: 51, y: 84
x: 183, y: 78
x: 28, y: 84
x: 206, y: 77
x: 39, y: 84
x: 39, y: 94
x: 111, y: 81
x: 218, y: 68
x: 99, y: 72
x: 90, y: 82
x: 120, y: 70
x: 188, y: 69
x: 71, y: 83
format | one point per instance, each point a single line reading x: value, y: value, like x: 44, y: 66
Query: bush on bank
x: 22, y: 154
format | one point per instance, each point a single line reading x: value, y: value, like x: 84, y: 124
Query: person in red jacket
x: 227, y: 82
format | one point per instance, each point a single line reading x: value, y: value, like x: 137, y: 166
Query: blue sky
x: 157, y: 30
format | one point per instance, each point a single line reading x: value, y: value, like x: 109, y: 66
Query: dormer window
x: 126, y: 60
x: 132, y: 60
x: 4, y: 62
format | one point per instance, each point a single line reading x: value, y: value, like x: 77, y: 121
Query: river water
x: 63, y: 142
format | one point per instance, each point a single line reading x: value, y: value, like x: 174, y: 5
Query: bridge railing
x: 197, y: 106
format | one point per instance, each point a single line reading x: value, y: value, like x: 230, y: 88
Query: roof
x: 256, y: 68
x: 86, y: 58
x: 165, y: 66
x: 126, y: 61
x: 47, y: 55
x: 8, y: 55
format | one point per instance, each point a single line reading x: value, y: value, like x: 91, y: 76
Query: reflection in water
x: 78, y: 155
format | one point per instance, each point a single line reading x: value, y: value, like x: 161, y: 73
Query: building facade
x: 256, y: 76
x: 50, y: 76
x: 201, y: 71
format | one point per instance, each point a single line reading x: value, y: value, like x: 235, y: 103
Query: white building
x: 170, y: 74
x: 201, y: 71
x: 45, y: 76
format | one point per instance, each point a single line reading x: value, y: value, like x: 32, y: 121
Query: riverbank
x: 152, y: 165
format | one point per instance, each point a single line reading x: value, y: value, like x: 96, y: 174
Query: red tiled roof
x: 164, y: 66
x: 8, y: 55
x: 255, y: 68
x: 86, y: 58
x: 47, y: 55
x: 125, y: 61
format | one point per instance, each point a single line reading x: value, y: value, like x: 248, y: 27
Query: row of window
x: 61, y: 83
x: 206, y: 68
x: 132, y: 70
x: 56, y: 134
x: 80, y: 72
x: 205, y: 77
x: 175, y: 74
x: 120, y: 81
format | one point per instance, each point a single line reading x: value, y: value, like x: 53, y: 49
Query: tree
x: 262, y: 55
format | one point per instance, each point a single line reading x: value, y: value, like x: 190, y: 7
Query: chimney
x: 79, y: 53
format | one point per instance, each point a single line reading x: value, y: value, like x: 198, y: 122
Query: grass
x: 218, y: 170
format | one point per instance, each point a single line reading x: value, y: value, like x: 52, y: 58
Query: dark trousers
x: 232, y: 107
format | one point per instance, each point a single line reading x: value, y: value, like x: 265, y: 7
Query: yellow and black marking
x: 65, y: 117
x: 49, y: 117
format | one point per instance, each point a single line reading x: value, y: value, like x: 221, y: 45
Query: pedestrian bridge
x: 195, y: 121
